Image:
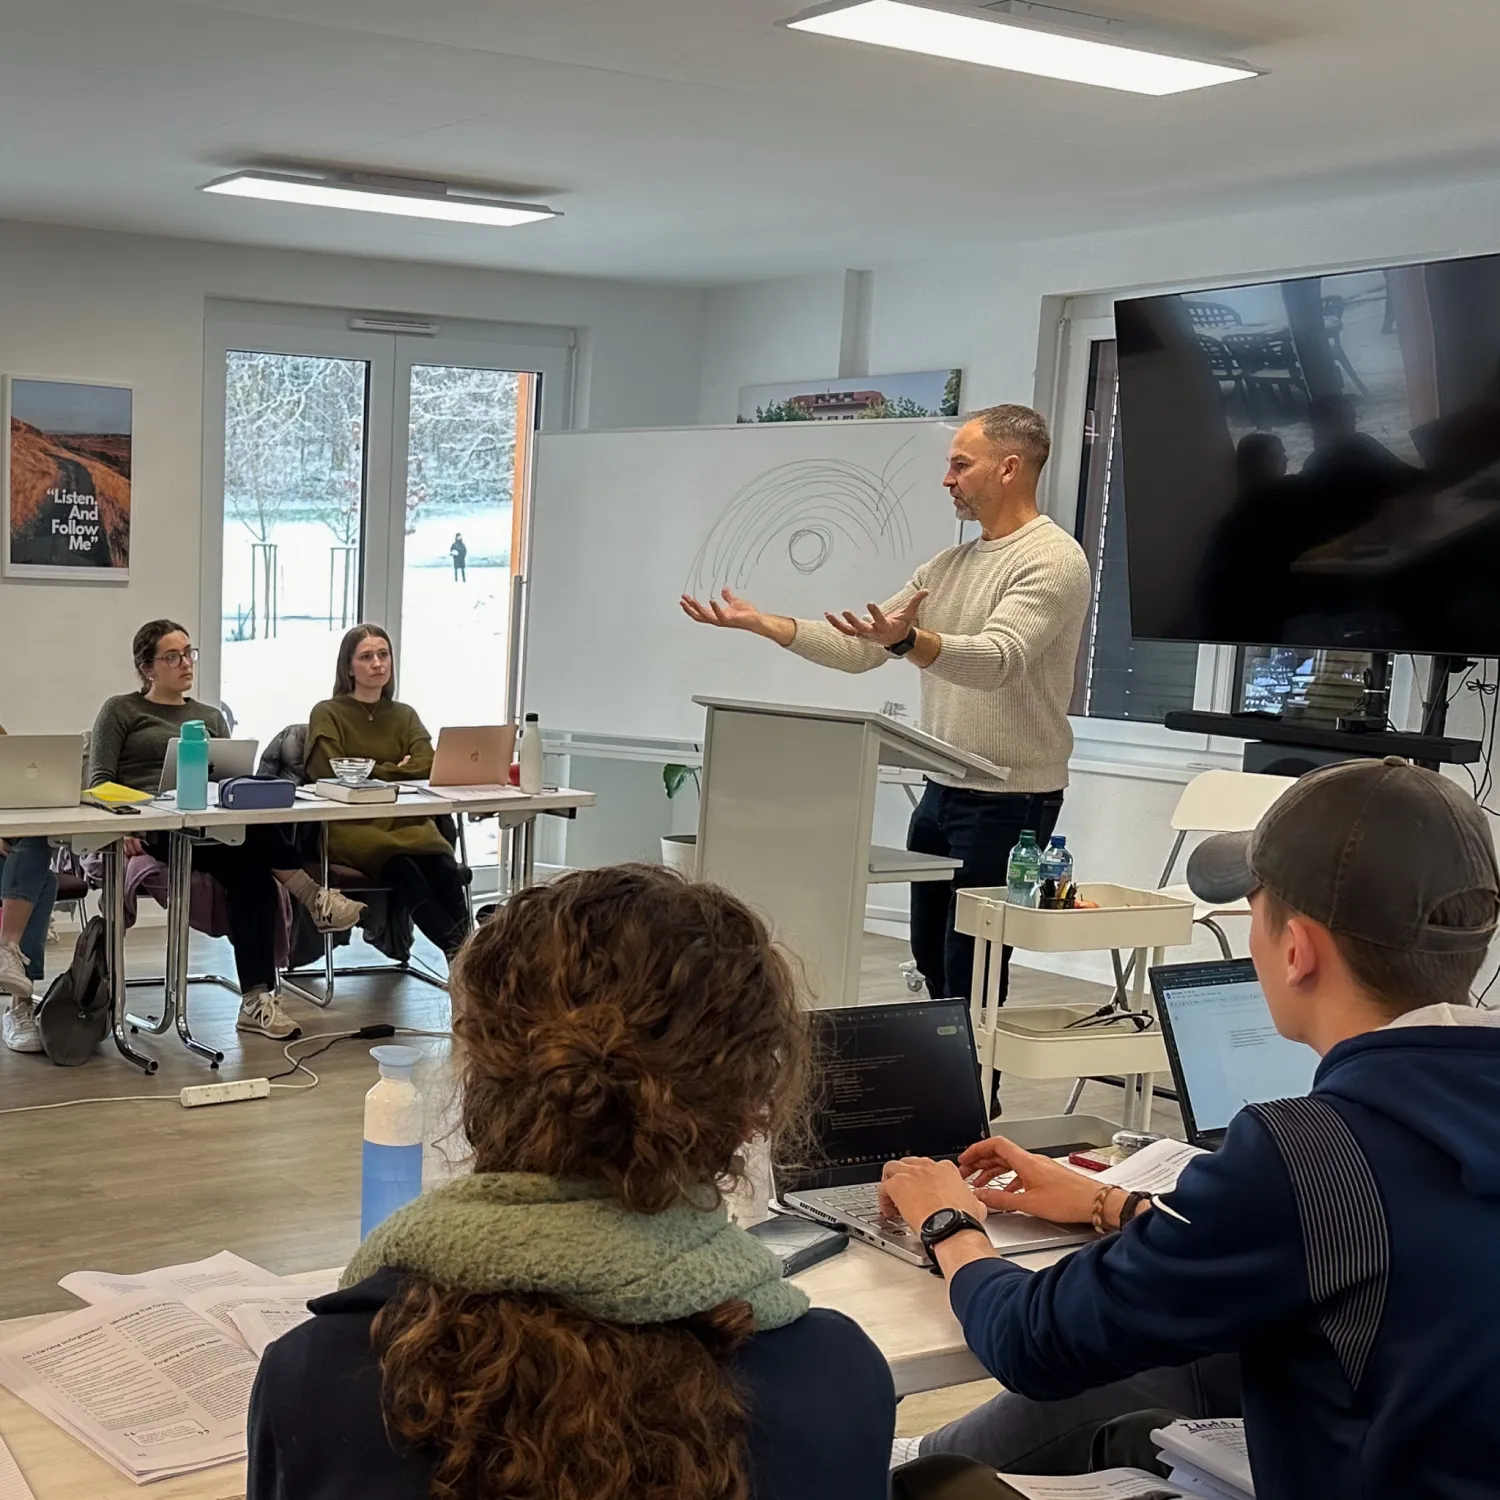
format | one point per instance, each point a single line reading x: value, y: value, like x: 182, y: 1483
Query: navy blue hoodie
x: 1347, y: 1245
x: 821, y: 1404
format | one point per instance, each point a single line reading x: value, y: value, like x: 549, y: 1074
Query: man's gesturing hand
x: 728, y: 610
x: 878, y: 628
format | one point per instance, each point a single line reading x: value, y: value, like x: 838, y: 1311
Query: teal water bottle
x: 192, y: 767
x: 1056, y: 871
x: 1023, y: 871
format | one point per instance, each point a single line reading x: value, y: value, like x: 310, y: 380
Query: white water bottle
x: 531, y: 756
x: 393, y: 1138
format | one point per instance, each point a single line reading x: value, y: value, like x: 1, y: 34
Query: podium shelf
x: 888, y: 866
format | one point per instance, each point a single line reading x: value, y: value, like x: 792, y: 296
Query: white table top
x: 162, y: 817
x: 903, y: 1308
x: 416, y: 802
x: 66, y: 822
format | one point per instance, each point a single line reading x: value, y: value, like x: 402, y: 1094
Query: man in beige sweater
x: 993, y: 626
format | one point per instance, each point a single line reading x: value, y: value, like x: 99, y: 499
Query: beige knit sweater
x: 1010, y: 613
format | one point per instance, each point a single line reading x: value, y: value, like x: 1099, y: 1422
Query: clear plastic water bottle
x: 1023, y: 871
x: 192, y: 767
x: 530, y: 756
x: 393, y: 1138
x: 1056, y: 872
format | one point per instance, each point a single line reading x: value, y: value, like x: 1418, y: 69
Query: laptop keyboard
x: 862, y: 1202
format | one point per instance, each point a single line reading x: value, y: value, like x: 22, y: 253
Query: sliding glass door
x: 353, y: 474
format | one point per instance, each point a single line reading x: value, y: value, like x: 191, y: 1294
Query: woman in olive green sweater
x: 409, y: 855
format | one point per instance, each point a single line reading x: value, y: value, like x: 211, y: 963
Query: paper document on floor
x: 1108, y: 1484
x: 146, y: 1383
x: 226, y: 1269
x: 1153, y: 1169
x: 13, y: 1484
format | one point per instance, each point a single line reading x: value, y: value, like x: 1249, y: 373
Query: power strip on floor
x: 225, y: 1093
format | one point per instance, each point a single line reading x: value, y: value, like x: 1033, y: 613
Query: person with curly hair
x: 578, y: 1319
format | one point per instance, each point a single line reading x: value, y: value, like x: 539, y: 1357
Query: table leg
x: 526, y: 838
x: 180, y: 865
x: 985, y: 983
x: 1148, y: 1080
x: 114, y: 927
x: 463, y: 858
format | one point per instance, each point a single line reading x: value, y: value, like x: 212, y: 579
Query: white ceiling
x: 692, y: 140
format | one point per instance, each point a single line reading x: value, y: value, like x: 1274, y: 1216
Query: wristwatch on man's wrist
x: 943, y: 1225
x: 905, y: 644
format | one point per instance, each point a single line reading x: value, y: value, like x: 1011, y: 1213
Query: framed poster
x: 67, y: 457
x: 923, y: 393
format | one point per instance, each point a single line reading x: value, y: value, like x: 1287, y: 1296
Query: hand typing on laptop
x: 916, y: 1188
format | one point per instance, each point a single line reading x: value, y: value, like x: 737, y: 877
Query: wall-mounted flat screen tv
x: 1316, y: 462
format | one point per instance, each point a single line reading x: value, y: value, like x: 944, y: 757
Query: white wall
x: 85, y: 305
x: 996, y: 316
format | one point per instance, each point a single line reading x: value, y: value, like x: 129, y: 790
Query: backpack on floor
x: 74, y: 1015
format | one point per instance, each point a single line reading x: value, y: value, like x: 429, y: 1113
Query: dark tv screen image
x: 1316, y: 462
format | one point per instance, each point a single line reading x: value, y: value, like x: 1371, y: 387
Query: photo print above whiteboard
x: 926, y: 393
x: 67, y: 479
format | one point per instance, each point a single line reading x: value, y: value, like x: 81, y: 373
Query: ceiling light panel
x: 1020, y: 46
x: 331, y: 192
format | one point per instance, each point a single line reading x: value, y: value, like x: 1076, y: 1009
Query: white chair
x: 1219, y: 802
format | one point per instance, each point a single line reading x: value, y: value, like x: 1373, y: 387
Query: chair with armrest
x: 386, y: 924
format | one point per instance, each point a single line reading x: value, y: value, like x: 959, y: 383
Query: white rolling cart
x: 1073, y: 1041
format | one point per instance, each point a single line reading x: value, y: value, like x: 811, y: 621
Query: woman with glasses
x: 363, y: 720
x: 129, y: 746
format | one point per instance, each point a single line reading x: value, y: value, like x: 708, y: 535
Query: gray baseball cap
x: 1368, y: 848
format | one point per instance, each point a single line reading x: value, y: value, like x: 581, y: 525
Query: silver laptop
x: 226, y: 758
x: 898, y: 1080
x: 1223, y: 1045
x: 41, y: 770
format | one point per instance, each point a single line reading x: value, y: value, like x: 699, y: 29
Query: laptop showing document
x: 41, y: 770
x: 1223, y: 1046
x: 226, y: 758
x: 898, y: 1080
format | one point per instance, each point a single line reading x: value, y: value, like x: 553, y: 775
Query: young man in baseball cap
x: 1344, y: 1245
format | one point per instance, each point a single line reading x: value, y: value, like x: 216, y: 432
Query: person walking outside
x: 459, y: 552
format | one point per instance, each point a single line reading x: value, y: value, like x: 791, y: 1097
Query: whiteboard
x: 799, y: 517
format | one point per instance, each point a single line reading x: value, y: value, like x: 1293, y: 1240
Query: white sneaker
x: 19, y: 1028
x: 13, y: 977
x: 904, y: 1450
x: 333, y: 911
x: 261, y: 1012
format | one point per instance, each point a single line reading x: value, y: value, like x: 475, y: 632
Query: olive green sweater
x: 389, y: 733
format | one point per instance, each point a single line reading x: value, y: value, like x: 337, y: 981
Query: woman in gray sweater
x: 129, y: 746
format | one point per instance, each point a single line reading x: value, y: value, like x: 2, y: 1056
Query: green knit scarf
x: 518, y: 1232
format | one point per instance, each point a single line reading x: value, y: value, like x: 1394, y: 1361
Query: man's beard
x: 966, y: 512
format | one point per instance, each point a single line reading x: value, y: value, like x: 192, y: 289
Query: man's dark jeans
x: 979, y: 828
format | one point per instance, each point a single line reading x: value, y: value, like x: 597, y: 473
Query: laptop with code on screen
x: 896, y: 1080
x: 1224, y: 1048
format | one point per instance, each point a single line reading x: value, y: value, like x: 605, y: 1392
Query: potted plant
x: 679, y: 851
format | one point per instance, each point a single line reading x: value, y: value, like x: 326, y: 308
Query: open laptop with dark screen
x: 1224, y: 1048
x: 896, y: 1080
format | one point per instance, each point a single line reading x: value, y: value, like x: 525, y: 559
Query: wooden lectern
x: 786, y: 816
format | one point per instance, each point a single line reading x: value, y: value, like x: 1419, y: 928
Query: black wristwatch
x: 904, y: 645
x: 943, y: 1225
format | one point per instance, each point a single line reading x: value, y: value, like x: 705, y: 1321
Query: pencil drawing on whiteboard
x: 802, y: 517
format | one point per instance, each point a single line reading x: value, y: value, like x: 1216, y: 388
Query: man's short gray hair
x: 1018, y: 428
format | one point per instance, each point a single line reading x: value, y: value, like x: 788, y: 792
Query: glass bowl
x: 351, y: 769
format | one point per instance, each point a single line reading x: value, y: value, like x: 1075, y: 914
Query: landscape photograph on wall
x: 67, y: 479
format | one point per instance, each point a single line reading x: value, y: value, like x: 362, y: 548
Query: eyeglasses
x: 178, y: 658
